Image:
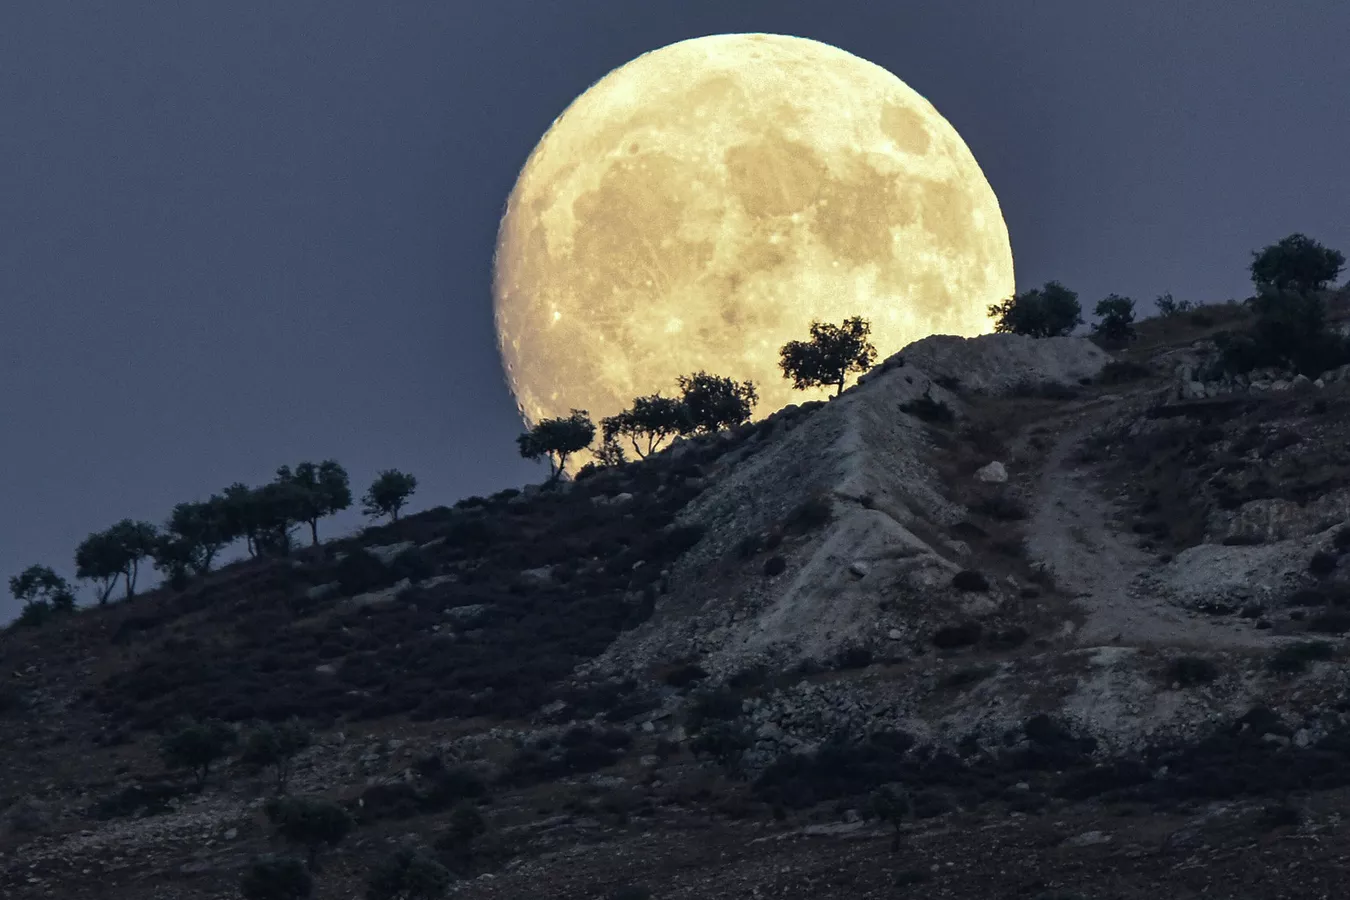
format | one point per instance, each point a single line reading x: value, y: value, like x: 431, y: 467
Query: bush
x: 361, y: 571
x: 970, y: 580
x: 276, y: 878
x: 1050, y: 311
x: 196, y: 746
x: 951, y: 637
x: 1295, y: 263
x: 1002, y: 506
x: 929, y: 409
x: 1322, y: 563
x: 407, y: 874
x: 310, y: 823
x: 812, y: 513
x: 1116, y: 325
x: 713, y: 403
x: 276, y: 746
x: 1295, y: 658
x: 1189, y: 671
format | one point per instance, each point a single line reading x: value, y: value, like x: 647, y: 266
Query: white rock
x: 387, y: 553
x: 1280, y: 385
x: 1319, y: 383
x: 325, y: 669
x: 1301, y: 381
x: 859, y: 568
x: 895, y: 634
x: 994, y: 473
x: 319, y: 591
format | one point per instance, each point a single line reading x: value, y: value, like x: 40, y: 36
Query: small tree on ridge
x: 648, y: 424
x: 715, y: 402
x: 1050, y: 311
x: 557, y: 439
x: 833, y: 353
x: 388, y: 494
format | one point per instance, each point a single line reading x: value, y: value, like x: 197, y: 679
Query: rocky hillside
x: 1079, y: 616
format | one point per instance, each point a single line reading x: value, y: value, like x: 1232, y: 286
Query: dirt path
x: 1072, y: 531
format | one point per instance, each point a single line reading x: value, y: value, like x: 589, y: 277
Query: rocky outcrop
x: 1004, y: 363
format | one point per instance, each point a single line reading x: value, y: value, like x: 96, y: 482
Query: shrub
x: 1002, y: 506
x: 1189, y: 671
x: 310, y: 823
x: 1331, y: 622
x: 1297, y: 263
x: 950, y: 637
x: 138, y: 800
x: 1169, y: 307
x: 361, y: 571
x: 891, y: 804
x: 970, y: 580
x: 1294, y: 658
x: 276, y: 878
x: 812, y: 513
x: 1322, y: 563
x: 276, y: 746
x: 407, y: 874
x: 196, y: 746
x: 929, y: 409
x: 1050, y: 311
x: 685, y: 675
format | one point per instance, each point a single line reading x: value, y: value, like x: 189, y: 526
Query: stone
x: 994, y: 473
x: 1301, y: 381
x: 320, y: 591
x: 648, y: 728
x: 464, y: 615
x: 325, y: 669
x: 1088, y: 839
x: 859, y: 568
x: 231, y: 833
x: 1319, y: 383
x: 1192, y: 390
x: 374, y: 598
x: 1280, y: 385
x: 895, y: 634
x: 389, y: 552
x: 542, y: 575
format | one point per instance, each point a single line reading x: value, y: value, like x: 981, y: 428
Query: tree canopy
x: 1295, y: 263
x: 715, y: 402
x: 1049, y: 311
x: 321, y: 490
x: 832, y: 354
x: 388, y: 494
x: 557, y: 439
x: 648, y: 423
x: 1115, y: 325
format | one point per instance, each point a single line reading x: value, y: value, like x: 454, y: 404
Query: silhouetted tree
x: 1116, y: 320
x: 388, y: 494
x: 1050, y: 311
x: 240, y: 515
x: 41, y: 584
x: 833, y: 353
x: 278, y: 507
x: 1296, y: 263
x: 1168, y: 306
x: 407, y: 874
x: 325, y: 490
x: 648, y: 424
x: 1290, y: 330
x: 310, y: 823
x: 276, y: 746
x: 277, y: 878
x: 891, y: 804
x: 193, y: 536
x: 714, y: 402
x: 197, y: 746
x: 557, y: 439
x: 98, y: 559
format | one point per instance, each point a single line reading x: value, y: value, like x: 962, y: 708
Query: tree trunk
x: 314, y: 532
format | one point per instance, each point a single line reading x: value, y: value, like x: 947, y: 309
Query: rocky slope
x: 1086, y: 618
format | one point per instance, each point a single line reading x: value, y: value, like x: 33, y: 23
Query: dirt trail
x: 1073, y: 531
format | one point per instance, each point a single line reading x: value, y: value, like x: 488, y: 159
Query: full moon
x: 699, y: 206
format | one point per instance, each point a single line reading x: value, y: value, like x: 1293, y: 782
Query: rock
x: 649, y: 727
x: 994, y: 473
x: 1301, y: 381
x: 624, y: 497
x: 833, y: 828
x: 320, y: 591
x: 1319, y: 383
x: 1192, y: 390
x: 858, y: 568
x: 464, y: 615
x: 543, y: 575
x: 388, y: 552
x: 373, y: 598
x: 1280, y: 385
x: 325, y: 669
x: 231, y: 833
x: 1088, y: 839
x: 895, y: 634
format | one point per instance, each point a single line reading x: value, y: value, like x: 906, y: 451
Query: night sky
x: 237, y: 235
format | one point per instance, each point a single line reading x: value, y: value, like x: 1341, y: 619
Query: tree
x: 1050, y: 311
x: 408, y: 874
x: 388, y: 494
x: 1296, y: 263
x: 1169, y: 307
x: 833, y: 353
x: 239, y: 513
x: 715, y: 402
x: 557, y: 439
x: 277, y: 507
x: 648, y: 424
x: 277, y: 746
x: 310, y: 823
x: 277, y: 878
x: 325, y: 488
x: 1116, y: 325
x: 193, y: 536
x: 98, y: 559
x: 131, y: 542
x: 197, y: 746
x: 1290, y: 330
x: 891, y: 804
x: 41, y: 584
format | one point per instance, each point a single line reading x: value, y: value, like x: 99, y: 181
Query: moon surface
x: 699, y: 206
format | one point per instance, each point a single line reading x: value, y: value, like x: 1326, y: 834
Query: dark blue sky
x: 236, y: 235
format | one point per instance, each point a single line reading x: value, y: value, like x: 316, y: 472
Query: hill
x: 1083, y: 612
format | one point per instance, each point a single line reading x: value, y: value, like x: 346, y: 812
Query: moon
x: 699, y: 206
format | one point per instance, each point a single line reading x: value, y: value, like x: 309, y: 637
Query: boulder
x: 373, y: 598
x: 389, y: 552
x: 994, y: 473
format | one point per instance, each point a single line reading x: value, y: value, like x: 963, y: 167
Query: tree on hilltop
x: 715, y: 402
x: 43, y: 594
x: 1115, y: 327
x: 1296, y: 263
x: 191, y: 539
x: 557, y: 439
x: 648, y: 423
x: 99, y: 561
x: 388, y: 494
x: 832, y: 354
x: 1050, y: 311
x: 324, y: 489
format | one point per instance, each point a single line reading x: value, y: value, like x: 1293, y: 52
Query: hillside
x: 1110, y: 666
